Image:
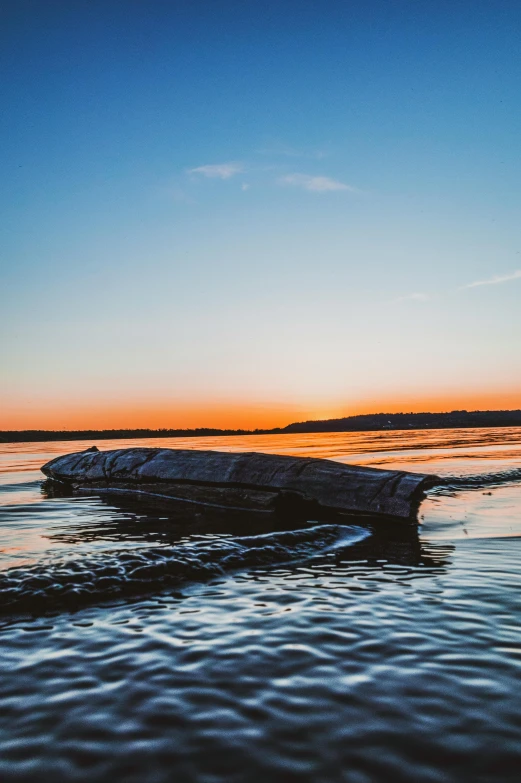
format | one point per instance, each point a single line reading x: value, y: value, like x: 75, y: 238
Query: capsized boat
x: 265, y: 483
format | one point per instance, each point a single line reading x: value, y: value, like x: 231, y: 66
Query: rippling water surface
x: 136, y: 646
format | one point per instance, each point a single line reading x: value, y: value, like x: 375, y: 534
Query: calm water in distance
x: 323, y: 653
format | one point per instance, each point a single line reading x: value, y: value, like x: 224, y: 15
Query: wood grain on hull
x: 263, y: 482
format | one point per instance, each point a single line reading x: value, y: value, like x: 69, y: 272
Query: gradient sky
x: 250, y: 213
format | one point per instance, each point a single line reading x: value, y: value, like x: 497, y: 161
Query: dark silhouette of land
x: 364, y: 423
x: 406, y: 421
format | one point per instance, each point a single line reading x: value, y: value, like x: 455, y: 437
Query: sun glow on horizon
x: 230, y: 415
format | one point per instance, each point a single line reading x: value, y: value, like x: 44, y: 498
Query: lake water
x: 323, y: 653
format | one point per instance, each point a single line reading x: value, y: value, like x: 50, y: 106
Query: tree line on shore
x: 360, y: 423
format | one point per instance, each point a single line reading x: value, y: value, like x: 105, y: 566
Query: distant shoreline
x: 364, y: 423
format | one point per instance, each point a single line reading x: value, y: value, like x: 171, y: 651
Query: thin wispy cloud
x: 315, y: 184
x: 218, y: 170
x: 495, y: 280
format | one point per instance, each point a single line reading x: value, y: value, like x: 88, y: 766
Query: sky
x: 243, y: 214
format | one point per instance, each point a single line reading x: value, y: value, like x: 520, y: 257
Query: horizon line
x: 256, y: 430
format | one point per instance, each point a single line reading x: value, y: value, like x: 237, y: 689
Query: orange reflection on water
x: 32, y: 523
x: 423, y: 450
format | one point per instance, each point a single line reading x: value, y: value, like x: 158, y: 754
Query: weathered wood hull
x: 265, y: 483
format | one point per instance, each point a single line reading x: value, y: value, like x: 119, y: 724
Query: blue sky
x: 220, y: 213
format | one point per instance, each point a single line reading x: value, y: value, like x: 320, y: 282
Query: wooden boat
x: 265, y: 483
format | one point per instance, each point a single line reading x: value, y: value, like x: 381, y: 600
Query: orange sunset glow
x: 157, y: 414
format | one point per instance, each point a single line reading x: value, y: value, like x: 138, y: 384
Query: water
x: 135, y: 648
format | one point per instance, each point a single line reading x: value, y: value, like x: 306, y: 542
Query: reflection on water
x: 102, y: 548
x: 214, y: 649
x: 403, y: 447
